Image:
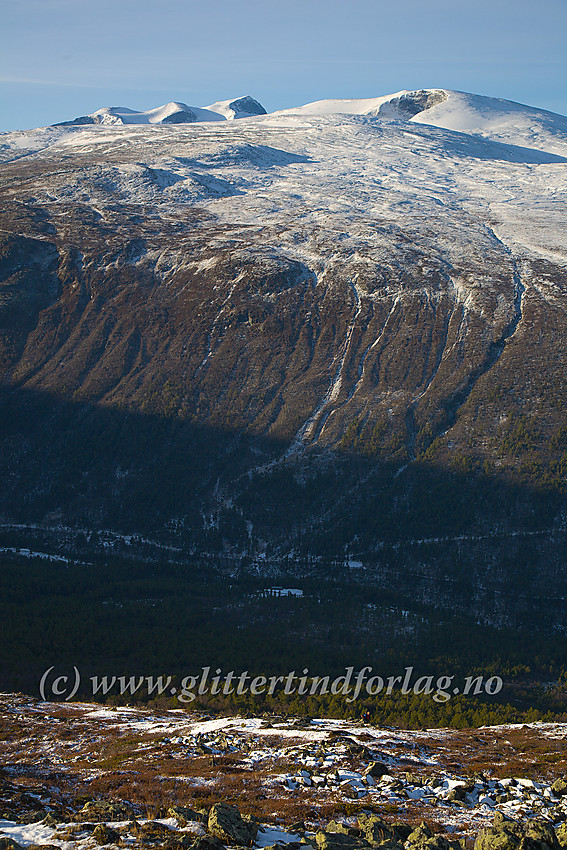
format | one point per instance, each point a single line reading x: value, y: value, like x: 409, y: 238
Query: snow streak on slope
x: 316, y: 422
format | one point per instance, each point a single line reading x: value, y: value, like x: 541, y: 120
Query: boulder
x: 183, y: 815
x: 456, y: 794
x: 505, y: 834
x: 8, y: 843
x: 438, y: 842
x: 290, y: 845
x: 103, y: 834
x: 423, y: 839
x: 375, y: 769
x: 297, y: 828
x: 339, y: 841
x: 337, y: 826
x: 539, y: 835
x: 559, y: 787
x: 502, y: 835
x: 101, y: 811
x: 31, y: 816
x: 401, y: 830
x: 71, y: 831
x: 375, y: 829
x: 153, y: 832
x: 226, y: 822
x: 419, y: 835
x: 561, y: 834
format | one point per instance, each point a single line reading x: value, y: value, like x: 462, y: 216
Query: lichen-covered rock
x: 401, y: 830
x: 226, y: 822
x: 337, y: 826
x: 183, y: 815
x: 103, y: 834
x: 502, y: 835
x: 297, y: 828
x: 422, y: 838
x: 31, y: 816
x: 375, y: 829
x: 438, y: 842
x: 339, y: 841
x: 539, y: 835
x: 253, y: 825
x: 73, y: 831
x: 418, y: 836
x: 508, y: 835
x: 456, y: 794
x: 559, y: 787
x: 100, y: 811
x: 153, y: 832
x: 561, y: 834
x: 289, y: 845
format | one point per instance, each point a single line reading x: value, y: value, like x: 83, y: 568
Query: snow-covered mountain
x: 381, y: 278
x: 242, y: 107
x: 173, y: 113
x: 492, y: 118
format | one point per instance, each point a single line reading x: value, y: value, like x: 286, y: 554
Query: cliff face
x: 303, y: 336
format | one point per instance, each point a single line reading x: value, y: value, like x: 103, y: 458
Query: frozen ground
x: 54, y: 756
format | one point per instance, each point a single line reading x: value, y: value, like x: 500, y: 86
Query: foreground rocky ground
x: 76, y: 776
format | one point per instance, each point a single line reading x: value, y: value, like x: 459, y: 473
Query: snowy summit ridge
x: 174, y: 112
x: 492, y: 118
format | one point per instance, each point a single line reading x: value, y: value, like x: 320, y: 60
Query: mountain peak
x: 174, y: 112
x: 410, y: 103
x: 241, y: 107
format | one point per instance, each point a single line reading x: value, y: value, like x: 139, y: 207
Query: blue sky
x: 63, y: 58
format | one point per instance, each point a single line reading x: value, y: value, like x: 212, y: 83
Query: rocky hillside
x: 78, y: 776
x: 296, y: 333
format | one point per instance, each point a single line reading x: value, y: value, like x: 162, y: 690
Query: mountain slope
x: 303, y: 333
x: 492, y: 118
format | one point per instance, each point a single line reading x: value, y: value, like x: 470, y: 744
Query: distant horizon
x: 60, y: 60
